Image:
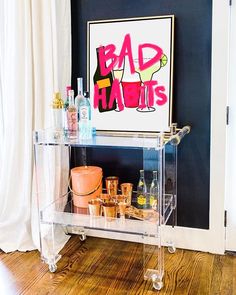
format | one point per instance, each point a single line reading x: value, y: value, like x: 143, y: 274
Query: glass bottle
x: 142, y: 191
x: 57, y: 106
x: 72, y: 118
x: 66, y: 104
x: 154, y: 191
x: 104, y: 86
x: 85, y: 128
x: 80, y: 93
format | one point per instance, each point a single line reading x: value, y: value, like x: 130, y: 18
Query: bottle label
x: 141, y: 200
x: 72, y: 121
x: 83, y: 114
x: 103, y: 83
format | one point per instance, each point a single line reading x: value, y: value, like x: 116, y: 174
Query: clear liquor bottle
x: 72, y: 119
x: 80, y: 94
x: 142, y: 192
x: 154, y: 191
x: 66, y: 104
x: 85, y: 129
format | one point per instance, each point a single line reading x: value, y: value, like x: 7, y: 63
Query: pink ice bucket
x: 86, y: 184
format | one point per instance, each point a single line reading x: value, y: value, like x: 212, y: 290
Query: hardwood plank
x: 226, y: 285
x: 101, y: 266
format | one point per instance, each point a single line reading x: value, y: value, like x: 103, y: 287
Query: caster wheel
x: 52, y: 267
x: 157, y: 285
x: 83, y: 237
x: 171, y: 249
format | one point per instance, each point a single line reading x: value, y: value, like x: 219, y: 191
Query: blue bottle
x: 84, y: 109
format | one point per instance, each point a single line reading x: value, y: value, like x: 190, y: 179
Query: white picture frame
x: 130, y: 73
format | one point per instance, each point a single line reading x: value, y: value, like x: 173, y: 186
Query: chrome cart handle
x: 176, y: 138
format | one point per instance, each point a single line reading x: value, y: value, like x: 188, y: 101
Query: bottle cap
x: 80, y: 85
x: 67, y: 90
x: 71, y: 92
x: 57, y: 103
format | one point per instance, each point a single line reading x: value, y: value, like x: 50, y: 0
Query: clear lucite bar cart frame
x: 52, y: 150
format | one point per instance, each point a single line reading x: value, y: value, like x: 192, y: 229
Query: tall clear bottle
x: 142, y: 191
x: 80, y: 94
x: 85, y: 127
x: 154, y: 191
x: 66, y: 104
x: 72, y: 117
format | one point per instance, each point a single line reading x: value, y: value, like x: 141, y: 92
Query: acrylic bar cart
x: 52, y: 150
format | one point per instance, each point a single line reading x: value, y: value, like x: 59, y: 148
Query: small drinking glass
x: 122, y: 208
x: 127, y: 189
x: 112, y: 185
x: 104, y: 198
x: 121, y: 201
x: 95, y: 207
x: 109, y: 210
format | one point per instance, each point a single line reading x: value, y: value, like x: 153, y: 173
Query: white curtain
x: 35, y: 61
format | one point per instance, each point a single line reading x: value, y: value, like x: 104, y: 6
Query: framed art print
x: 130, y: 70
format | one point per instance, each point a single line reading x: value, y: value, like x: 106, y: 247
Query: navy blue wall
x: 192, y: 87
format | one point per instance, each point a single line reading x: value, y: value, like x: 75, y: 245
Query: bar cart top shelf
x: 105, y: 139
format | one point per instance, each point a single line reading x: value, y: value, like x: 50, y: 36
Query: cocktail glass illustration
x: 145, y: 76
x: 117, y: 73
x: 131, y: 84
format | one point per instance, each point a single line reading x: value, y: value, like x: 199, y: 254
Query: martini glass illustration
x: 146, y: 75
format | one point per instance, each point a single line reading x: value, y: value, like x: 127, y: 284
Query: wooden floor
x: 99, y: 266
